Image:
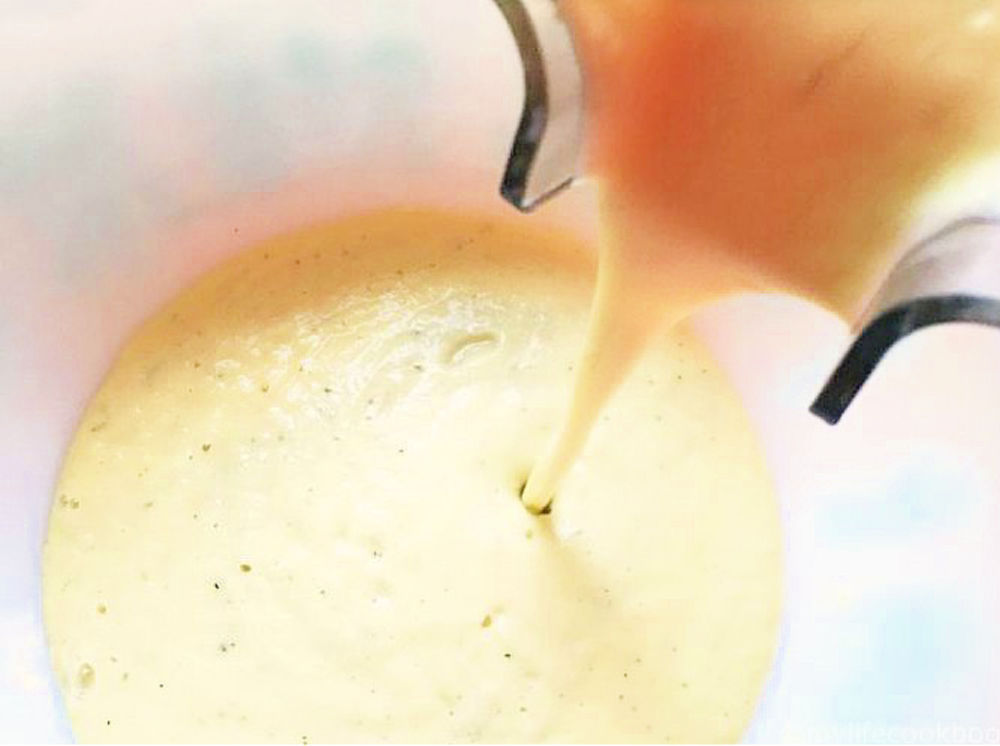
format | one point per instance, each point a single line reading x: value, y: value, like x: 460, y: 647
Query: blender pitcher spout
x: 545, y: 157
x: 952, y: 276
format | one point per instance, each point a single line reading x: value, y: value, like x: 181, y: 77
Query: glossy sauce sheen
x: 291, y: 511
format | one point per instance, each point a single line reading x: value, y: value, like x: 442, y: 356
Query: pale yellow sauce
x: 291, y: 511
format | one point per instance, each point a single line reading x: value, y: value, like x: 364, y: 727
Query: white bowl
x: 141, y: 143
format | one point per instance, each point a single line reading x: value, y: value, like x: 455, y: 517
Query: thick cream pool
x: 291, y: 511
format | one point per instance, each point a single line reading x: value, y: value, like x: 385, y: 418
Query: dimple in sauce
x: 764, y: 145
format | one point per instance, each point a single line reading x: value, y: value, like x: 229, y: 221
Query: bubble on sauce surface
x: 469, y: 346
